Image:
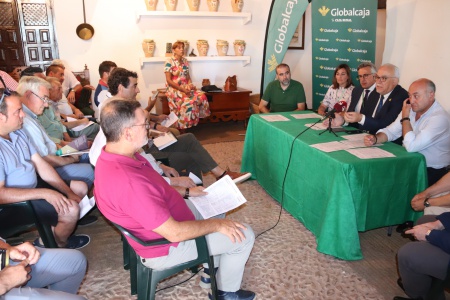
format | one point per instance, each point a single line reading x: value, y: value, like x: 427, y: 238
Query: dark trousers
x: 435, y: 174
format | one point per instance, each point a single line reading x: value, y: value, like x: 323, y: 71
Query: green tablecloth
x: 334, y: 194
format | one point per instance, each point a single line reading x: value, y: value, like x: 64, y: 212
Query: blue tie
x: 380, y: 105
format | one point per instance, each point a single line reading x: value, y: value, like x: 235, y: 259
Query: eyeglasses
x: 365, y: 76
x: 6, y: 91
x: 383, y: 78
x: 147, y: 125
x: 45, y: 98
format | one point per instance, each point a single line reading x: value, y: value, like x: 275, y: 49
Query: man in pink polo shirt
x: 131, y: 193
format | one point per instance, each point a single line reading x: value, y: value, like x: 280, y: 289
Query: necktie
x: 380, y: 105
x: 366, y: 96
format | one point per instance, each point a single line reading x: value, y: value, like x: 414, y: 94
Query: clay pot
x: 202, y: 47
x: 213, y: 5
x: 171, y: 5
x: 237, y: 5
x: 151, y: 4
x: 193, y: 5
x: 149, y: 47
x: 206, y: 82
x: 186, y: 46
x: 222, y: 47
x: 239, y: 47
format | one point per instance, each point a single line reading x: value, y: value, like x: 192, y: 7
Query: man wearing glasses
x: 383, y: 102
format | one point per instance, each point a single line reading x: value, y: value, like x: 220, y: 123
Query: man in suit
x: 372, y: 112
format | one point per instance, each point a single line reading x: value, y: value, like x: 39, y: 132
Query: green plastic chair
x: 26, y: 219
x: 144, y: 280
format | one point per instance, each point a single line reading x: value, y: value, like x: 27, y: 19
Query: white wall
x: 118, y: 38
x: 418, y: 42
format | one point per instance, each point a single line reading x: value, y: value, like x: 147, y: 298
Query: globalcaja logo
x: 324, y: 10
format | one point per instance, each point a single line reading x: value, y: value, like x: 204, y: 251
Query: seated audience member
x: 104, y: 69
x: 420, y: 262
x: 186, y: 154
x: 425, y: 127
x: 53, y: 125
x: 435, y: 200
x: 377, y: 112
x: 284, y: 93
x: 19, y: 163
x: 34, y: 91
x: 41, y: 274
x: 340, y: 90
x: 11, y: 84
x: 33, y: 71
x: 126, y: 185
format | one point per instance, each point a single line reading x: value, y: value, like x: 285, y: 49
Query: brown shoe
x: 236, y: 176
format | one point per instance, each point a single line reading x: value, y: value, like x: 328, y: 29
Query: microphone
x: 340, y: 106
x: 330, y: 113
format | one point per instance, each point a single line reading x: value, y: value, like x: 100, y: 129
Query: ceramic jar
x: 151, y: 4
x: 222, y: 47
x: 149, y: 47
x: 171, y: 5
x: 206, y: 82
x: 186, y: 46
x: 193, y: 4
x: 213, y: 5
x: 237, y: 5
x: 202, y: 47
x: 239, y: 47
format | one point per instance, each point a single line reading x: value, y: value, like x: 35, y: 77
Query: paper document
x: 195, y: 179
x: 79, y: 127
x: 164, y: 140
x: 274, y: 118
x: 331, y: 146
x: 354, y: 143
x: 370, y: 152
x: 171, y: 118
x: 76, y: 146
x: 321, y: 126
x: 355, y: 137
x: 307, y: 116
x: 223, y: 196
x: 86, y: 205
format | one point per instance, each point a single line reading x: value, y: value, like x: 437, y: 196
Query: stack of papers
x: 172, y: 118
x: 307, y: 116
x: 164, y: 140
x: 274, y: 118
x: 79, y: 127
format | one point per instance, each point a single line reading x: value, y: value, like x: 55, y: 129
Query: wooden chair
x: 25, y: 218
x: 144, y: 280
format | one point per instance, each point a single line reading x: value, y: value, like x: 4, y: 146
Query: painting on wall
x: 298, y: 40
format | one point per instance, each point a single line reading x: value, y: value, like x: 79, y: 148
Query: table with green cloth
x: 335, y: 194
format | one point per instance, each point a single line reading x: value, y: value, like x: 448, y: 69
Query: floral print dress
x: 188, y: 108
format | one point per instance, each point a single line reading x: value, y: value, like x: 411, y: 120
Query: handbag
x: 230, y: 84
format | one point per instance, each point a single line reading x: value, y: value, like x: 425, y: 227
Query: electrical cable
x: 168, y: 287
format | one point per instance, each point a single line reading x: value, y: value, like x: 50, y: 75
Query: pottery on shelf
x: 193, y: 4
x: 149, y: 47
x: 206, y: 82
x: 222, y: 47
x: 239, y: 47
x: 171, y: 5
x: 202, y: 47
x: 151, y: 4
x: 237, y: 5
x: 213, y: 5
x: 186, y: 46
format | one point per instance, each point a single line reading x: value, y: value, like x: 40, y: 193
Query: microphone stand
x: 331, y: 116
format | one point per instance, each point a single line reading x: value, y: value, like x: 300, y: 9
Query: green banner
x: 284, y: 17
x: 343, y: 31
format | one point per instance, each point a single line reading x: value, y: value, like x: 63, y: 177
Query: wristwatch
x: 428, y: 233
x: 426, y: 203
x: 404, y: 119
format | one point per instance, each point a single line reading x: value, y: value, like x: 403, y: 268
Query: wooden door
x: 11, y: 51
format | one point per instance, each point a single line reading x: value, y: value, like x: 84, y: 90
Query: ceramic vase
x: 237, y: 5
x: 193, y: 5
x: 151, y: 4
x: 222, y: 47
x: 171, y: 5
x: 206, y: 82
x: 213, y: 5
x: 239, y: 47
x: 149, y: 47
x: 202, y: 47
x: 186, y: 46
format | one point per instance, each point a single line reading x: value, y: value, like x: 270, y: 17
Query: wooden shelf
x: 246, y: 17
x: 245, y: 59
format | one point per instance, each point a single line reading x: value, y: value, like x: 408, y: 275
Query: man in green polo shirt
x: 283, y: 94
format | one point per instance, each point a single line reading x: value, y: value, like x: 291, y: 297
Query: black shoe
x: 239, y: 295
x: 400, y: 284
x: 87, y: 220
x: 77, y: 241
x: 405, y: 226
x: 401, y: 298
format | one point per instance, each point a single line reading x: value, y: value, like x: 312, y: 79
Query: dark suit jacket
x: 389, y: 112
x: 366, y: 108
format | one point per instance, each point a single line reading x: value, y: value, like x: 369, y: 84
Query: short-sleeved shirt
x: 16, y: 168
x: 284, y: 100
x: 130, y: 193
x: 52, y: 124
x: 39, y: 138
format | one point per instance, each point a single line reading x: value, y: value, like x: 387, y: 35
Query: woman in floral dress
x: 184, y: 99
